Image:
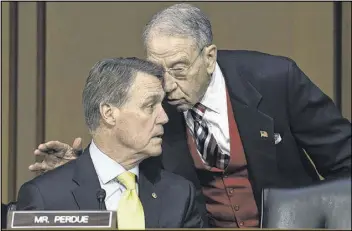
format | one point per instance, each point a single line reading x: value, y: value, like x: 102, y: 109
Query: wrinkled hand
x: 55, y: 154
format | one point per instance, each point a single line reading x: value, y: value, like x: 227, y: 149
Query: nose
x: 169, y: 83
x: 162, y: 117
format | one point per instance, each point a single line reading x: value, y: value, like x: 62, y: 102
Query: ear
x: 211, y: 56
x: 108, y: 114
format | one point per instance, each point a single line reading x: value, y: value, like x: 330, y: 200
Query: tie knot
x: 128, y: 179
x: 197, y: 112
x: 199, y: 108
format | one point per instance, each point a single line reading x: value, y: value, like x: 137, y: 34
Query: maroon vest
x: 228, y: 193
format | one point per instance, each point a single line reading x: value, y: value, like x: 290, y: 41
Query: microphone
x: 101, y: 194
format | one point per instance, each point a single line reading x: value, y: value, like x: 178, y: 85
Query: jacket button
x: 237, y: 207
x: 241, y: 223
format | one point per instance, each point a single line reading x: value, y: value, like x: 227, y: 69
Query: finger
x: 36, y: 167
x: 42, y: 147
x: 52, y: 146
x: 44, y: 150
x: 77, y: 144
x: 37, y: 152
x: 56, y: 145
x: 45, y: 166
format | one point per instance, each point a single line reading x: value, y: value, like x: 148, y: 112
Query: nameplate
x: 61, y: 219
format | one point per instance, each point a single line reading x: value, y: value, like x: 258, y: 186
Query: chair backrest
x: 11, y: 206
x: 4, y: 210
x: 324, y: 205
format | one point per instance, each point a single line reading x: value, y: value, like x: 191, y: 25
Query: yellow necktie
x: 130, y: 214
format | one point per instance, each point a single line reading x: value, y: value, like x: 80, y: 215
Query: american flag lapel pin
x: 264, y: 134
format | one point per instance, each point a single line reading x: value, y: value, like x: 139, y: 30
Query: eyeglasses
x: 181, y: 72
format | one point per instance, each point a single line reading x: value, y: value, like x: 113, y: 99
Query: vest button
x: 237, y: 207
x: 230, y: 191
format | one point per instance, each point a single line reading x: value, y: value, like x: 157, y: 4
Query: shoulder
x: 175, y: 182
x: 55, y: 177
x: 254, y: 62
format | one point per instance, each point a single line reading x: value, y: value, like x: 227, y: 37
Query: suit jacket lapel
x: 176, y: 155
x: 87, y: 183
x: 259, y: 148
x: 149, y: 193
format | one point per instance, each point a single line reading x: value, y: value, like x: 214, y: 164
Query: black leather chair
x: 324, y: 205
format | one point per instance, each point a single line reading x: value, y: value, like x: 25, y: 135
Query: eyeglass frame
x: 187, y: 69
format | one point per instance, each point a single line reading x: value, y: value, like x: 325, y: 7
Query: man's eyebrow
x: 180, y: 60
x: 155, y: 98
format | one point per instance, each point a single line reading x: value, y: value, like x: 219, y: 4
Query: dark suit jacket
x: 74, y: 185
x: 270, y: 93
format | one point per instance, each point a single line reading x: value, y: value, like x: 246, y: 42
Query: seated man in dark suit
x: 123, y: 111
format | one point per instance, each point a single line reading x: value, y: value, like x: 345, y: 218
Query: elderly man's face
x: 140, y: 120
x: 188, y: 68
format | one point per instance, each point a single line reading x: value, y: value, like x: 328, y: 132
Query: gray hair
x: 182, y: 20
x: 109, y: 81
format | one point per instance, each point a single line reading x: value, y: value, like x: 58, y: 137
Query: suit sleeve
x: 200, y: 205
x: 193, y: 218
x: 318, y: 126
x: 29, y: 198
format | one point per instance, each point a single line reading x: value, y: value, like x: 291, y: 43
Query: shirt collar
x: 210, y: 98
x: 107, y: 169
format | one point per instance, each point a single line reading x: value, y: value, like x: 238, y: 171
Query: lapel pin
x: 154, y: 195
x: 277, y: 138
x: 263, y: 134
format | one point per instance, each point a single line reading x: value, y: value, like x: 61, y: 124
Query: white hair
x: 181, y: 20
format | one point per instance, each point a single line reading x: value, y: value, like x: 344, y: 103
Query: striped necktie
x: 205, y: 141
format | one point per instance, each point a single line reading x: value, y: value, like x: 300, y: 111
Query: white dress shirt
x: 215, y: 115
x: 107, y: 170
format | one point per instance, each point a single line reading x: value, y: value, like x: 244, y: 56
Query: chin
x: 154, y: 151
x: 183, y: 107
x: 157, y: 152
